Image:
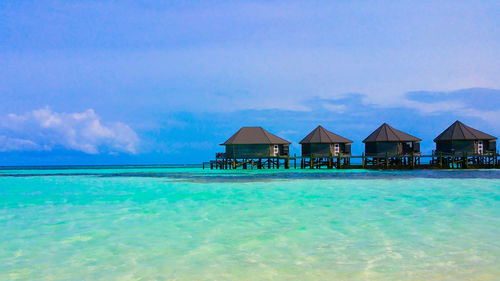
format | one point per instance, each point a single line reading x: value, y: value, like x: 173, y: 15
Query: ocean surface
x: 185, y: 223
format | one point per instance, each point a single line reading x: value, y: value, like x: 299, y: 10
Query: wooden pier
x: 359, y: 162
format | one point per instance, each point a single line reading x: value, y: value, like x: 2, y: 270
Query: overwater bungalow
x: 323, y: 143
x: 255, y: 142
x: 386, y: 140
x: 460, y: 139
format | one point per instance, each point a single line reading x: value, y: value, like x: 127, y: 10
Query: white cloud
x: 182, y: 147
x: 457, y: 107
x: 13, y: 144
x: 434, y: 107
x: 83, y: 131
x: 491, y: 116
x: 339, y: 108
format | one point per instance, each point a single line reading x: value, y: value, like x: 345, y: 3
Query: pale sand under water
x: 193, y: 224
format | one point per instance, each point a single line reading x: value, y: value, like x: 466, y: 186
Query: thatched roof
x: 322, y: 135
x: 460, y: 131
x: 388, y: 133
x: 254, y: 135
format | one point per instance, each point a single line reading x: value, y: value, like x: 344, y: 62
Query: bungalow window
x: 276, y: 150
x: 336, y: 149
x: 407, y: 147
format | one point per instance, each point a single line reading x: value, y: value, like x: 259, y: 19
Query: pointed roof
x: 254, y: 135
x: 388, y: 133
x: 322, y: 135
x: 460, y: 131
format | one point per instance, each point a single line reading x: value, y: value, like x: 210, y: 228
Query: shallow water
x: 185, y: 223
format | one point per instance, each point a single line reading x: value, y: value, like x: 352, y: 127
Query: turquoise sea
x: 185, y: 223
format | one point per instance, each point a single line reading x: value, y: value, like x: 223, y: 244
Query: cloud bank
x: 44, y: 129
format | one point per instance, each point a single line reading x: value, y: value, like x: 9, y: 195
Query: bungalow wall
x: 284, y: 149
x: 324, y: 149
x: 381, y: 148
x: 391, y: 148
x: 254, y: 150
x: 492, y: 146
x: 461, y: 147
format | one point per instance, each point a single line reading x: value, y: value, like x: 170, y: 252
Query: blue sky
x: 117, y: 82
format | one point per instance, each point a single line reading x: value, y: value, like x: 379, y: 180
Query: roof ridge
x: 322, y: 135
x: 323, y: 130
x: 236, y: 134
x: 462, y: 129
x: 391, y: 134
x: 380, y: 130
x: 265, y: 134
x: 328, y: 134
x: 455, y: 128
x: 470, y: 131
x: 254, y: 135
x: 466, y: 133
x: 392, y: 131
